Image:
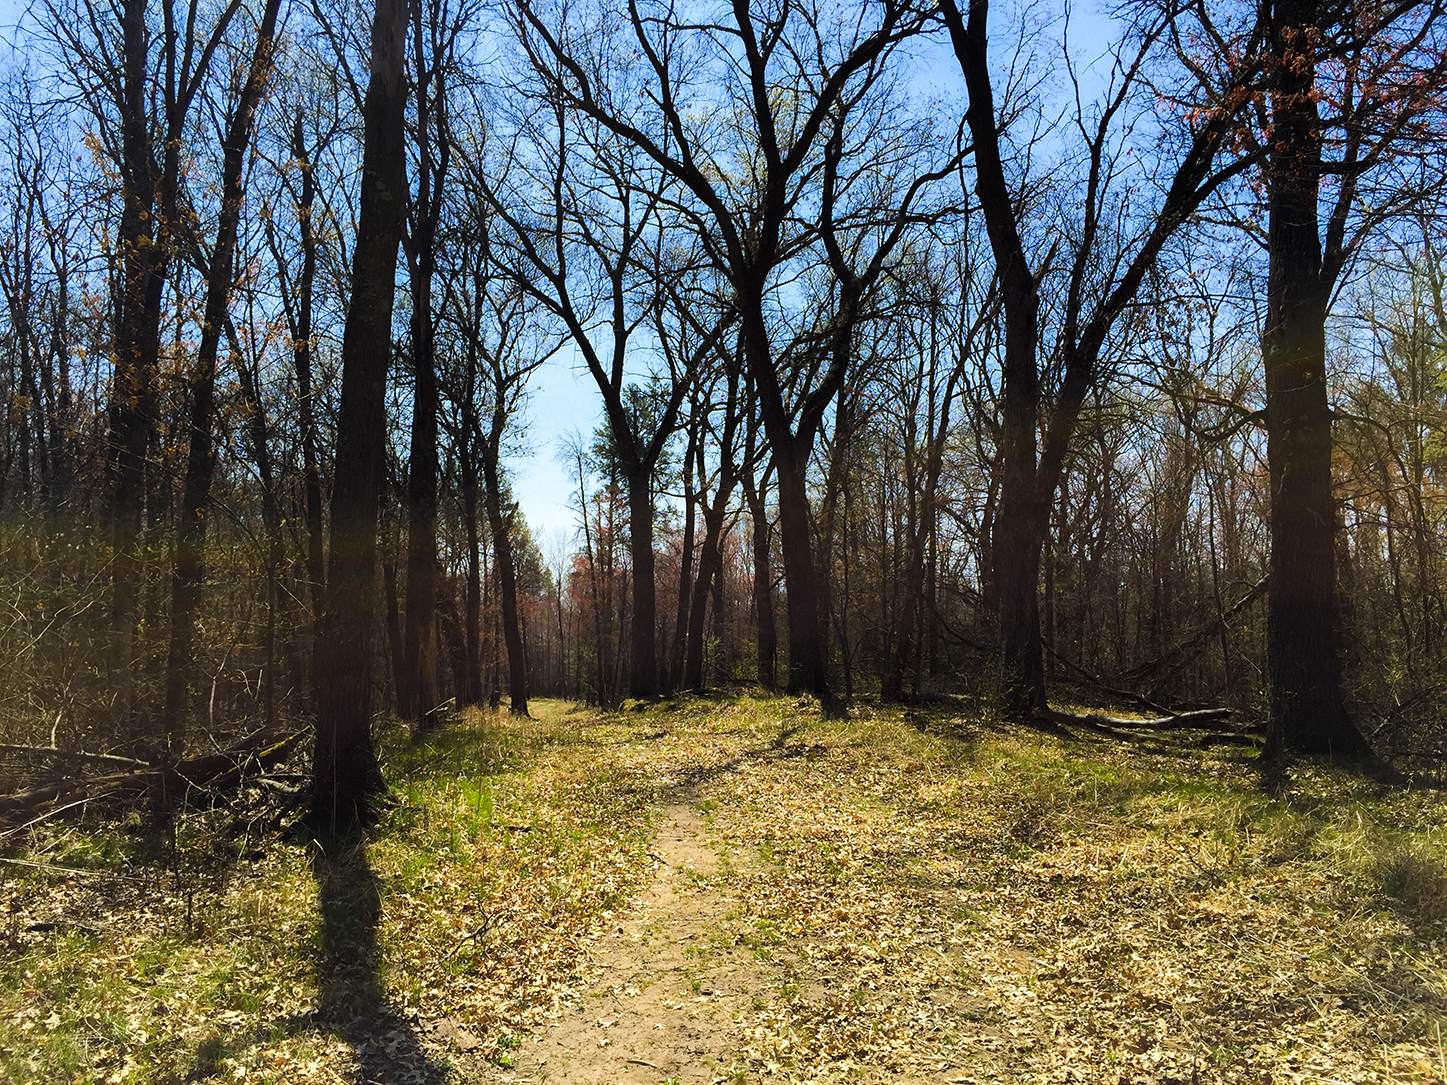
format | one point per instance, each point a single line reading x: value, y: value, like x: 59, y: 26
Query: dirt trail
x: 673, y: 982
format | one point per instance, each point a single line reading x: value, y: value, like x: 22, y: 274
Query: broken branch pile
x: 77, y: 777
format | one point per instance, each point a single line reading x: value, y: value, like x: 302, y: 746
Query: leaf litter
x: 899, y: 897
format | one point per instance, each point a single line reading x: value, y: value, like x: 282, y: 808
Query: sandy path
x: 673, y: 983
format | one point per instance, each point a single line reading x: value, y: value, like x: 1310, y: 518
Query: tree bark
x: 1019, y: 525
x: 346, y: 777
x: 643, y: 628
x: 766, y: 636
x: 501, y: 524
x: 1307, y: 712
x: 417, y: 696
x: 306, y: 409
x: 922, y: 532
x: 145, y: 261
x: 471, y: 677
x: 433, y: 153
x: 678, y: 654
x: 277, y: 606
x: 1029, y: 478
x: 710, y: 565
x: 807, y: 670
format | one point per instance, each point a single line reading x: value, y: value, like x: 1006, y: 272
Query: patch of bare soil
x: 674, y: 981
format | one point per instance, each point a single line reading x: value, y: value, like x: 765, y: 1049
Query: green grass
x: 176, y: 958
x: 192, y: 964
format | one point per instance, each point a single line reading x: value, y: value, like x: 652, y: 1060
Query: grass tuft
x: 1412, y: 875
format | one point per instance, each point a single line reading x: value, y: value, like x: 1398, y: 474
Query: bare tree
x: 189, y: 573
x: 1106, y: 258
x: 789, y: 75
x: 139, y: 83
x: 598, y: 259
x: 1384, y: 107
x: 345, y: 774
x: 437, y: 27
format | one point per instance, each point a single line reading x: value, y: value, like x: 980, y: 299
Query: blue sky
x: 564, y: 400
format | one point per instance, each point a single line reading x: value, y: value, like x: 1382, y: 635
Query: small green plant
x: 506, y: 1045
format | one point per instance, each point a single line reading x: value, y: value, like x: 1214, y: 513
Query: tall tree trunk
x: 1307, y: 711
x: 453, y: 637
x: 433, y: 151
x: 1019, y: 523
x: 914, y: 598
x: 186, y: 584
x: 392, y: 615
x: 710, y: 565
x: 471, y: 677
x: 766, y: 635
x: 62, y: 445
x: 595, y: 593
x: 685, y: 561
x: 417, y: 683
x: 643, y: 628
x: 277, y: 606
x: 836, y: 488
x: 145, y: 260
x: 501, y: 523
x: 807, y: 671
x: 792, y: 442
x: 346, y: 776
x: 306, y: 407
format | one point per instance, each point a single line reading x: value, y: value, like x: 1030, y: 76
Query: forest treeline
x: 940, y: 350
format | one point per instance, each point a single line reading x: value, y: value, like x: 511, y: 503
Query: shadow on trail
x: 353, y: 996
x: 686, y: 783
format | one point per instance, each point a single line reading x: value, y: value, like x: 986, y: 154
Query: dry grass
x: 1416, y: 877
x: 932, y: 897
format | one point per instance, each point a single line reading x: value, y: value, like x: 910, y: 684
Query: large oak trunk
x: 807, y: 670
x: 417, y: 694
x: 765, y: 631
x: 346, y: 776
x: 145, y: 261
x: 1307, y: 711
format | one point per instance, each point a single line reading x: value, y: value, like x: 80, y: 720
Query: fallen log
x: 168, y: 784
x: 1183, y: 649
x: 78, y: 789
x: 1180, y: 721
x: 1200, y: 719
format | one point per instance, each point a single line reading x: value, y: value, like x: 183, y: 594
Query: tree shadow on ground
x: 353, y: 998
x: 688, y: 780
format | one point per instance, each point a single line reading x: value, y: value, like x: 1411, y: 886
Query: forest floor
x: 738, y: 889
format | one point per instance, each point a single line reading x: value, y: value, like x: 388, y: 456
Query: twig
x: 74, y: 870
x: 55, y: 752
